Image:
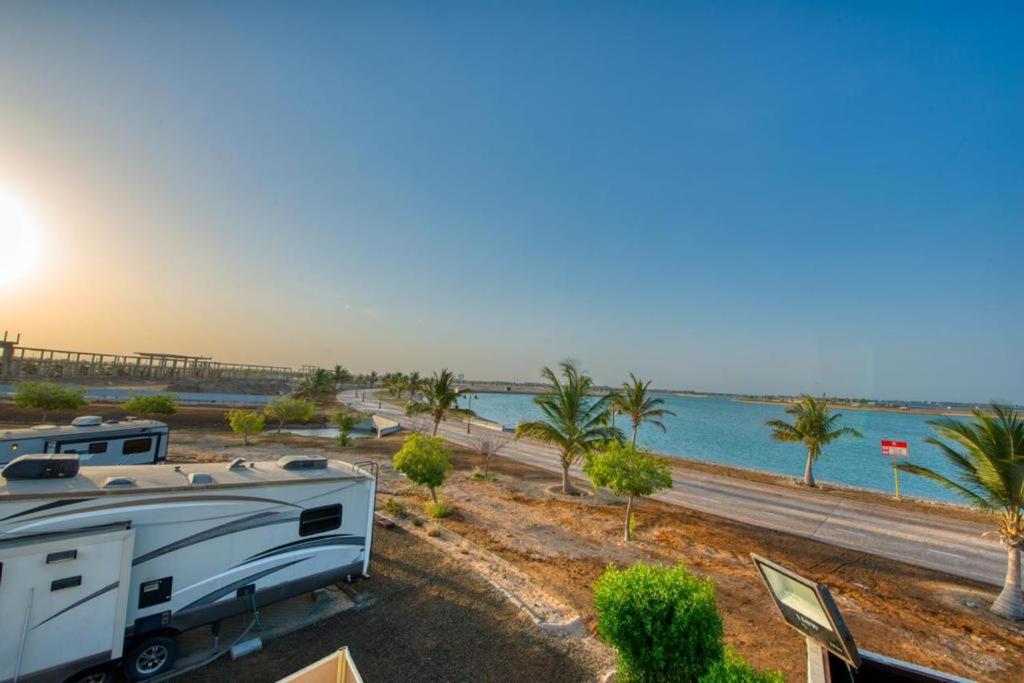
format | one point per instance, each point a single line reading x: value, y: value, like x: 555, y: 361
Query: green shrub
x: 416, y: 521
x: 395, y: 508
x: 47, y: 396
x: 161, y: 404
x: 662, y: 621
x: 438, y: 509
x: 732, y: 669
x: 425, y: 461
x: 481, y: 475
x: 345, y: 424
x: 282, y: 410
x: 245, y: 422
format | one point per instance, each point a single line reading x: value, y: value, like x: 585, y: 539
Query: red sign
x: 895, y: 449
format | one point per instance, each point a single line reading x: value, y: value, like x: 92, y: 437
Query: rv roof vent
x: 48, y: 466
x: 87, y: 421
x: 196, y: 478
x: 302, y: 462
x: 118, y: 482
x: 237, y: 464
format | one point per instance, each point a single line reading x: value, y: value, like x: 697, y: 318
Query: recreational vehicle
x: 126, y: 442
x: 103, y: 566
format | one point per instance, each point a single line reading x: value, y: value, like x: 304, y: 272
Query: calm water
x: 733, y: 433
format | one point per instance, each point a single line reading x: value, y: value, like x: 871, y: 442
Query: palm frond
x: 945, y: 482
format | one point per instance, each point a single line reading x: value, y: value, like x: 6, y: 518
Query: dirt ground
x: 564, y: 544
x: 430, y: 619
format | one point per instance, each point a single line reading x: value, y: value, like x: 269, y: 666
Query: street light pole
x: 469, y: 417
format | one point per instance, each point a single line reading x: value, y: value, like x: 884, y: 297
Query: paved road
x: 931, y: 541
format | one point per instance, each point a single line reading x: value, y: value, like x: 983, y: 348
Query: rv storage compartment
x: 63, y: 617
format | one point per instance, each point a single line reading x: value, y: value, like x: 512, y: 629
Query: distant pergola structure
x: 18, y: 362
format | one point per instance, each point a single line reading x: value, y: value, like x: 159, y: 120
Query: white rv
x: 114, y: 442
x: 103, y: 566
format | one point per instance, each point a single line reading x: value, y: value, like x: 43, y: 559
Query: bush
x: 439, y: 509
x: 345, y: 424
x: 481, y: 475
x: 434, y: 531
x: 416, y: 521
x: 48, y: 396
x: 425, y: 461
x: 395, y: 508
x: 245, y: 422
x: 283, y: 410
x: 732, y: 669
x: 160, y: 404
x: 662, y: 621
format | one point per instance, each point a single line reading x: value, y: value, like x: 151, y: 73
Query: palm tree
x: 990, y: 473
x: 635, y: 400
x: 573, y: 421
x: 341, y: 376
x: 814, y: 426
x: 316, y: 386
x: 439, y: 396
x: 414, y: 383
x: 395, y: 384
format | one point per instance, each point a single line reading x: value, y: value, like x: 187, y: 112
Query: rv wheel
x: 152, y: 657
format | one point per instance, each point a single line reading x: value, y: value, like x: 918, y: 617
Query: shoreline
x: 866, y: 409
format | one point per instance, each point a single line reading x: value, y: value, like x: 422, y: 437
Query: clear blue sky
x: 767, y: 197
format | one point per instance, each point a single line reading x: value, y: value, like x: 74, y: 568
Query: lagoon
x: 730, y: 432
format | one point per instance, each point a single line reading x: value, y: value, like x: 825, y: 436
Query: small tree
x: 160, y: 404
x: 488, y: 446
x: 345, y: 424
x: 283, y: 410
x: 47, y: 396
x: 425, y: 461
x: 662, y: 622
x: 245, y: 422
x: 627, y: 472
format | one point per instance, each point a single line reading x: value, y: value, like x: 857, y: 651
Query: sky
x: 765, y: 197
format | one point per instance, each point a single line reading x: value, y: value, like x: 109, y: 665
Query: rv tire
x: 151, y: 657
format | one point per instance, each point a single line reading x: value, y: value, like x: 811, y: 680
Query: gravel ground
x: 430, y: 620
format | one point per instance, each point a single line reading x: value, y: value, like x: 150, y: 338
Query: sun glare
x: 19, y: 241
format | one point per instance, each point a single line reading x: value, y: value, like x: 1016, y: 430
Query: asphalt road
x: 932, y: 541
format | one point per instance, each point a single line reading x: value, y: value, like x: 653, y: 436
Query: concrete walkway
x: 932, y: 541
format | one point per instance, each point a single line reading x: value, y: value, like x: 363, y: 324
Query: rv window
x: 136, y: 446
x: 315, y: 520
x: 97, y: 447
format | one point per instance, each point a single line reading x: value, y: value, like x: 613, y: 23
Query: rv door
x: 63, y: 598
